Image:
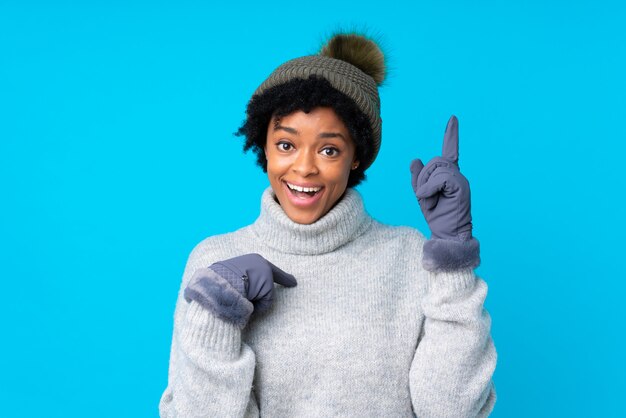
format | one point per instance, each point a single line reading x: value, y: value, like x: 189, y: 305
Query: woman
x: 366, y: 319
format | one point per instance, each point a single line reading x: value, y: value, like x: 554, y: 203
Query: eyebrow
x: 322, y: 135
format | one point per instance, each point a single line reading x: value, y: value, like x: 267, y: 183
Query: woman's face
x: 309, y: 158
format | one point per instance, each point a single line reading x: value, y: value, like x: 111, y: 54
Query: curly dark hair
x: 305, y: 95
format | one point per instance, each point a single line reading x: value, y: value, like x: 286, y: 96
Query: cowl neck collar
x: 343, y: 223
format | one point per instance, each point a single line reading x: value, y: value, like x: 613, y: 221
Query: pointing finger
x: 451, y: 140
x: 282, y: 277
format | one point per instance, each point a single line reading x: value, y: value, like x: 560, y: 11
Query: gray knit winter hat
x: 352, y: 64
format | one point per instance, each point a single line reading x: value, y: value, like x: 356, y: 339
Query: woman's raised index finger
x: 451, y: 140
x: 281, y: 277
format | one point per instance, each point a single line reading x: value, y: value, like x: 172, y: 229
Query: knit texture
x: 368, y: 332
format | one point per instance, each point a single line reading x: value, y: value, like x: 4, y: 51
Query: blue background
x: 117, y: 155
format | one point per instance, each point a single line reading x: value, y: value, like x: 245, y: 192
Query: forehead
x: 317, y: 118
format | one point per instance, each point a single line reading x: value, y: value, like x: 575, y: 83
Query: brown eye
x: 284, y: 146
x: 330, y: 151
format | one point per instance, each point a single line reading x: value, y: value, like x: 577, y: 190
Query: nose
x: 304, y: 164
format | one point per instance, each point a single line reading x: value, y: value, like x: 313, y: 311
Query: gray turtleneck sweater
x: 367, y: 332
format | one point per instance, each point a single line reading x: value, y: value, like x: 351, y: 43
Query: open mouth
x: 303, y: 193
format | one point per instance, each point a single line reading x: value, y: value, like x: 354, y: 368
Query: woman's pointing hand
x: 443, y: 192
x: 253, y: 276
x: 227, y: 287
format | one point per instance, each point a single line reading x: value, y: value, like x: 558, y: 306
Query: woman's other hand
x: 443, y: 192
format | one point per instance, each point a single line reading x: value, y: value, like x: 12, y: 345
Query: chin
x: 303, y: 219
x: 304, y: 216
x: 308, y: 221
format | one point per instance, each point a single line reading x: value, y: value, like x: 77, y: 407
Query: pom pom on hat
x: 359, y: 51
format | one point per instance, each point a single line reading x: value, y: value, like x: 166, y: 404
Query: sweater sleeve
x: 451, y: 372
x: 210, y: 370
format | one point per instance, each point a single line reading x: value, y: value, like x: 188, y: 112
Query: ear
x: 355, y: 164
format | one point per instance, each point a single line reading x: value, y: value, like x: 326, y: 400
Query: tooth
x: 303, y: 189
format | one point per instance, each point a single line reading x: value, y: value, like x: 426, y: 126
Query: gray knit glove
x: 232, y: 289
x: 443, y: 194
